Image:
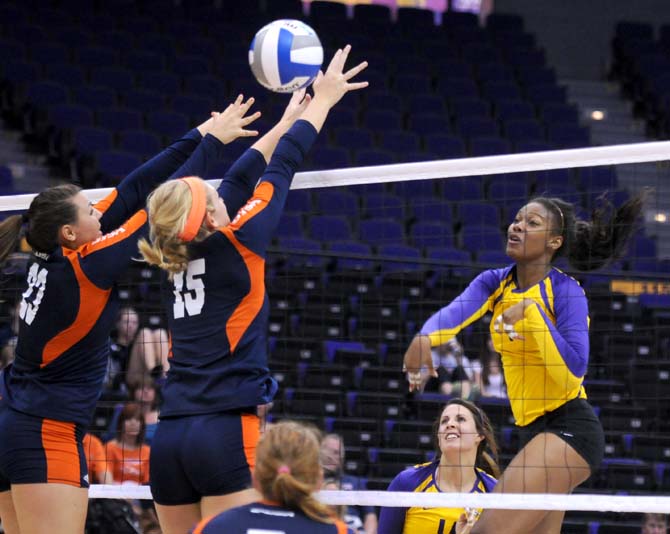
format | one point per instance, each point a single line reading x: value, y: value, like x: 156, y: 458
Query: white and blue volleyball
x: 285, y: 55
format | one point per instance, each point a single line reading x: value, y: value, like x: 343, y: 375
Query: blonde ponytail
x: 288, y: 470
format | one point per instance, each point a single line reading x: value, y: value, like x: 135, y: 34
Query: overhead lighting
x: 661, y: 217
x: 597, y: 115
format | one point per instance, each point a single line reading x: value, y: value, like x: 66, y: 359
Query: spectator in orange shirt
x: 127, y: 454
x: 96, y: 460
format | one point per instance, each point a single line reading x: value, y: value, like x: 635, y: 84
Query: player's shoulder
x: 488, y: 481
x: 413, y: 476
x: 563, y: 282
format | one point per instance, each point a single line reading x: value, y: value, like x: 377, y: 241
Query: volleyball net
x: 363, y: 256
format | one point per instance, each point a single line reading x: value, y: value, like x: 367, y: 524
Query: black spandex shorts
x: 575, y: 423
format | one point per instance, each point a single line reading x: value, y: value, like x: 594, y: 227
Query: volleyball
x: 285, y: 55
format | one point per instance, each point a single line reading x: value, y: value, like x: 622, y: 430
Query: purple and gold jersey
x: 417, y: 520
x: 546, y: 369
x: 70, y: 304
x: 217, y: 308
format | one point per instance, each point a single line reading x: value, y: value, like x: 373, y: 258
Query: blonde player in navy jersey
x: 463, y: 433
x: 286, y: 475
x: 48, y: 395
x: 540, y: 328
x: 214, y: 251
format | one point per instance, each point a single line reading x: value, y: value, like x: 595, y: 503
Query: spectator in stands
x: 360, y: 519
x: 654, y: 524
x: 213, y: 246
x: 66, y: 316
x: 122, y: 340
x: 456, y: 373
x: 287, y: 474
x: 540, y: 328
x: 128, y: 454
x: 149, y: 356
x: 10, y: 336
x: 340, y: 510
x: 463, y: 434
x: 96, y: 460
x: 492, y: 380
x: 147, y: 396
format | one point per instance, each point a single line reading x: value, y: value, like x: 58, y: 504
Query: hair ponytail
x: 590, y: 245
x: 10, y: 235
x: 288, y: 471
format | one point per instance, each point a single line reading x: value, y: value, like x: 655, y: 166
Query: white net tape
x: 509, y: 501
x: 428, y: 170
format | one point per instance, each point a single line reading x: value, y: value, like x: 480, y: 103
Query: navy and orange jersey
x: 418, y: 520
x: 70, y: 304
x: 267, y: 517
x: 546, y: 369
x: 217, y: 309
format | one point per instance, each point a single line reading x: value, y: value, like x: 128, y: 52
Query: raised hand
x: 417, y: 356
x: 298, y: 103
x: 332, y: 85
x: 231, y: 123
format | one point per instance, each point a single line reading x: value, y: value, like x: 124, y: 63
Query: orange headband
x: 198, y: 208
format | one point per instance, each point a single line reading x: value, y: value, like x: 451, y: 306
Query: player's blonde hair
x: 288, y: 469
x: 169, y: 206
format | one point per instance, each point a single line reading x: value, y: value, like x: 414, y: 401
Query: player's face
x: 529, y: 235
x: 220, y: 213
x: 655, y: 526
x: 458, y: 430
x: 331, y: 454
x: 132, y: 426
x: 87, y: 226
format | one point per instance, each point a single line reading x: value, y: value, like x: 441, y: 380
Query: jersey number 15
x: 189, y: 291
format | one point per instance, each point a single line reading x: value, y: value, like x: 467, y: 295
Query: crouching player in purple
x: 204, y: 448
x: 48, y: 395
x: 287, y: 473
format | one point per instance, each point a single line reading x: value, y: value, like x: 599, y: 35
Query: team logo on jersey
x: 114, y: 233
x: 246, y: 209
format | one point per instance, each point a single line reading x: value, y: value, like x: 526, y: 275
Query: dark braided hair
x: 590, y: 245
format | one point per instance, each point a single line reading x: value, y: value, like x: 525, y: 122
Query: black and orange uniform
x: 256, y: 517
x: 67, y: 313
x: 217, y: 315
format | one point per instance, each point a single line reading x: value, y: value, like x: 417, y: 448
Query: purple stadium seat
x: 89, y: 140
x: 116, y: 78
x: 432, y: 234
x: 460, y: 189
x: 299, y: 201
x: 337, y: 202
x: 489, y: 145
x: 506, y: 110
x: 353, y: 138
x: 117, y: 119
x: 429, y: 123
x: 383, y: 205
x: 445, y: 146
x: 399, y: 141
x: 381, y: 231
x: 47, y: 94
x: 399, y: 252
x: 140, y: 142
x: 114, y: 165
x: 290, y: 225
x: 342, y: 262
x: 477, y: 237
x: 469, y: 108
x: 66, y: 74
x: 327, y: 228
x: 168, y: 124
x: 371, y: 156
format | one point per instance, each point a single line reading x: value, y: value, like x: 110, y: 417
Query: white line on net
x: 506, y: 163
x: 508, y: 501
